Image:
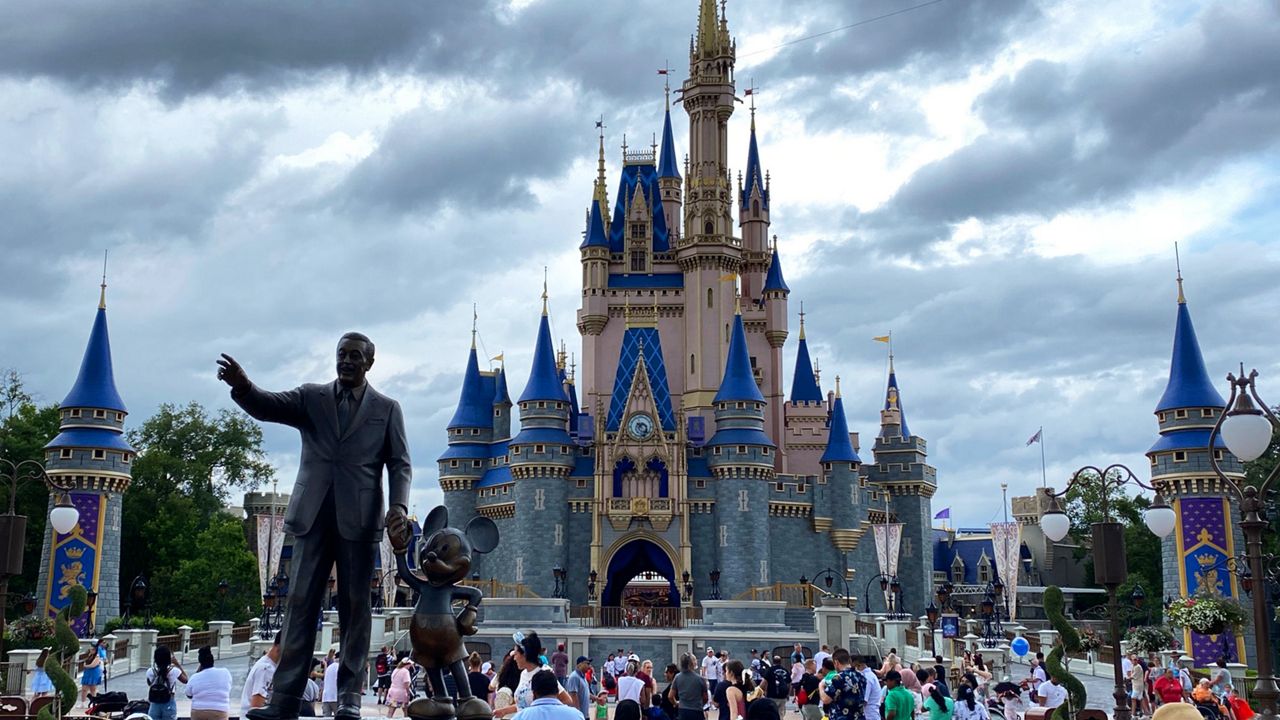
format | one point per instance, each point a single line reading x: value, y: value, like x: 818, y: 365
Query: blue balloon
x: 1020, y: 646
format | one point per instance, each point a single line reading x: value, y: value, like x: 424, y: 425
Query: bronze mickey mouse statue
x: 435, y: 633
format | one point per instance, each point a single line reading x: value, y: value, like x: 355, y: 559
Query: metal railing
x: 202, y: 638
x: 241, y: 634
x: 638, y: 617
x: 11, y: 675
x: 862, y: 627
x: 121, y: 649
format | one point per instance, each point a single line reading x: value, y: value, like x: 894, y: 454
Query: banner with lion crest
x: 75, y: 558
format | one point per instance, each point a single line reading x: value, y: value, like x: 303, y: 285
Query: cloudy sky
x: 999, y: 183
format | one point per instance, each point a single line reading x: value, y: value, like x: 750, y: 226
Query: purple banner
x: 1205, y: 542
x: 74, y: 557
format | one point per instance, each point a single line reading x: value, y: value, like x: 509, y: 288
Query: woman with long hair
x: 739, y: 688
x: 209, y: 689
x: 504, y: 686
x: 162, y: 684
x: 529, y: 656
x: 94, y: 662
x: 940, y: 706
x: 967, y: 706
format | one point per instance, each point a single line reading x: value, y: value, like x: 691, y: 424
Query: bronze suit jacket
x: 349, y: 463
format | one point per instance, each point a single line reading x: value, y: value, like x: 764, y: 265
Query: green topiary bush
x: 1068, y: 641
x: 65, y: 645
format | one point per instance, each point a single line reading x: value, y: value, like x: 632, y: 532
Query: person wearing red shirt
x: 1168, y: 688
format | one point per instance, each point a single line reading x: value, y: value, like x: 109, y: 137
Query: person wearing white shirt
x: 872, y: 694
x: 821, y: 655
x: 1051, y: 694
x: 329, y: 695
x: 1037, y: 672
x: 209, y: 689
x: 257, y: 687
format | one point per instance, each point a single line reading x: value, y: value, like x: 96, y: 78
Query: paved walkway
x: 1099, y: 689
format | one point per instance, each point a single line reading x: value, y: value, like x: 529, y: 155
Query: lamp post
x: 139, y: 603
x: 91, y: 599
x: 1109, y: 564
x: 994, y: 612
x: 1247, y: 428
x: 829, y: 576
x: 931, y: 614
x: 591, y: 585
x: 890, y: 590
x: 224, y: 587
x: 13, y: 527
x: 559, y: 574
x: 686, y: 586
x: 715, y: 584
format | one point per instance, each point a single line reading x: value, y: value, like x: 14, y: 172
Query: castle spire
x: 475, y: 406
x: 839, y: 447
x: 1189, y: 385
x: 544, y: 377
x: 667, y: 164
x: 804, y: 384
x: 754, y: 181
x: 893, y: 400
x: 95, y: 385
x: 739, y: 384
x: 774, y: 280
x: 601, y: 189
x: 708, y: 28
x: 102, y: 296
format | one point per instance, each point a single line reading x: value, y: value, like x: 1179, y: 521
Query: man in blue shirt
x: 577, y: 687
x: 546, y: 705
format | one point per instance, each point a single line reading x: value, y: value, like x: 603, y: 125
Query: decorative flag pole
x: 1039, y: 438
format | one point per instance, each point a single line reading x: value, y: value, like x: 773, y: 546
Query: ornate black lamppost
x: 139, y: 603
x: 1247, y: 428
x: 686, y: 587
x: 558, y: 573
x: 591, y: 585
x: 890, y: 590
x: 1109, y: 564
x: 715, y: 584
x: 994, y: 611
x: 13, y: 527
x: 931, y: 615
x: 273, y: 602
x: 829, y: 578
x: 91, y: 600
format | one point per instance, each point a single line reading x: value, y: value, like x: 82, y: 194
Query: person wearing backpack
x: 162, y: 680
x: 778, y: 682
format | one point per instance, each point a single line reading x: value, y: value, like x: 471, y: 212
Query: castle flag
x: 943, y: 514
x: 881, y: 338
x: 1036, y: 438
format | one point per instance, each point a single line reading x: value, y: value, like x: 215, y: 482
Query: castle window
x: 119, y: 417
x: 1217, y: 455
x: 99, y: 454
x: 1180, y: 414
x: 582, y: 482
x: 693, y: 365
x: 984, y: 571
x: 1206, y: 412
x: 475, y: 431
x: 497, y: 412
x: 779, y: 487
x: 717, y: 450
x: 741, y: 405
x: 637, y: 230
x: 753, y: 362
x: 1160, y: 417
x: 765, y: 451
x: 726, y: 332
x: 708, y: 228
x: 75, y: 413
x: 539, y: 448
x: 99, y: 414
x: 1153, y: 461
x: 710, y: 298
x: 564, y: 449
x: 505, y: 488
x: 475, y: 463
x: 541, y: 404
x: 755, y: 208
x: 800, y: 488
x: 700, y: 483
x: 742, y: 449
x: 1180, y: 456
x: 637, y: 261
x: 125, y: 458
x: 65, y: 453
x: 453, y: 463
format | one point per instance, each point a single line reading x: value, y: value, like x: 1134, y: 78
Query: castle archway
x: 640, y: 574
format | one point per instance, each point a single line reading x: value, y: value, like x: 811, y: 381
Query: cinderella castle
x: 683, y: 457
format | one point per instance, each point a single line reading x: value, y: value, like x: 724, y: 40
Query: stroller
x: 116, y: 705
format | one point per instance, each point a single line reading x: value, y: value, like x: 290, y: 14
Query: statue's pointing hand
x: 230, y: 372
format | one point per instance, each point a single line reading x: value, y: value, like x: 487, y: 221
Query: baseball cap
x: 634, y: 657
x: 710, y: 649
x: 582, y: 659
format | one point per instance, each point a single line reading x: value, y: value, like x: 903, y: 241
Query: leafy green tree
x: 188, y: 463
x: 24, y: 431
x: 223, y: 555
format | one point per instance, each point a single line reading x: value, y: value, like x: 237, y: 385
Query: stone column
x: 378, y: 634
x: 222, y: 633
x: 895, y: 635
x: 833, y: 623
x: 146, y: 647
x: 135, y: 645
x: 184, y: 641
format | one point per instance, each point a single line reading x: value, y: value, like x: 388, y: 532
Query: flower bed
x: 1206, y: 614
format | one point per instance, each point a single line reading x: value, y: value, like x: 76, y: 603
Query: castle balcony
x: 658, y: 511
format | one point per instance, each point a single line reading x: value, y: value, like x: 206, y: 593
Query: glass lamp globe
x: 1055, y: 525
x: 1160, y: 518
x: 1247, y: 435
x: 64, y: 516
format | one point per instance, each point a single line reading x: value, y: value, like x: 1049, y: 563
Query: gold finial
x: 801, y: 319
x: 837, y: 386
x: 102, y: 295
x: 1182, y: 299
x: 544, y: 290
x: 475, y: 318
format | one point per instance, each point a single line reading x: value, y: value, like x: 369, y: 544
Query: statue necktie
x: 345, y: 401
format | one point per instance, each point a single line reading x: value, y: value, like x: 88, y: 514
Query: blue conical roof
x: 544, y: 378
x: 754, y: 175
x: 96, y: 384
x: 774, y: 280
x: 739, y: 384
x: 667, y: 162
x: 1189, y: 385
x: 475, y: 407
x: 500, y: 394
x: 839, y: 447
x: 595, y: 228
x: 804, y: 386
x: 893, y: 399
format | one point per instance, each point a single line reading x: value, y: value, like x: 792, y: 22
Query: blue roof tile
x: 100, y: 438
x: 1189, y: 439
x: 95, y: 386
x: 739, y: 383
x: 636, y: 341
x: 647, y: 177
x: 839, y: 446
x: 542, y: 436
x: 804, y: 386
x: 774, y: 280
x: 595, y: 228
x: 475, y: 406
x: 494, y: 476
x: 1189, y: 384
x: 740, y: 436
x: 667, y: 165
x: 466, y: 451
x: 544, y: 377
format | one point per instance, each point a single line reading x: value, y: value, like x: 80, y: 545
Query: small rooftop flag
x: 1036, y: 438
x: 662, y: 71
x: 943, y: 514
x: 881, y: 338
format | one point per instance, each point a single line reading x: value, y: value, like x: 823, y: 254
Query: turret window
x: 1206, y: 412
x: 475, y: 431
x: 693, y: 364
x: 125, y: 458
x: 119, y: 417
x: 709, y: 228
x: 475, y: 463
x: 75, y: 413
x: 637, y: 230
x: 99, y: 414
x: 99, y: 454
x: 742, y: 449
x: 539, y: 449
x: 711, y: 298
x: 1180, y: 414
x: 637, y: 261
x: 65, y: 453
x: 755, y: 208
x: 1217, y: 455
x: 1160, y: 417
x: 453, y: 463
x: 1180, y: 456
